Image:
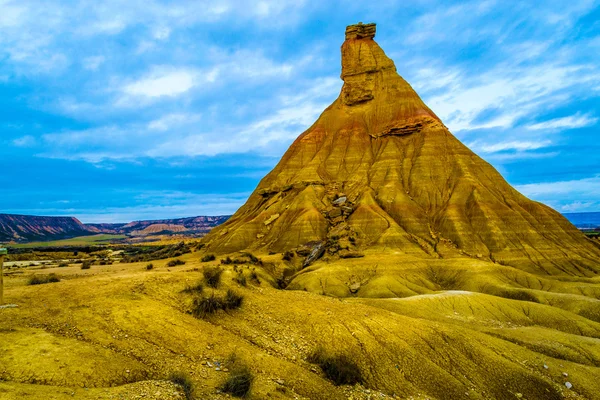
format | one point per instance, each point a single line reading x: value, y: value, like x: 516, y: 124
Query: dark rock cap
x: 360, y: 31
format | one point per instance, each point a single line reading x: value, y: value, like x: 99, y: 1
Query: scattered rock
x: 568, y: 385
x: 336, y: 212
x: 354, y: 287
x: 341, y: 201
x: 271, y: 219
x: 545, y: 366
x: 316, y: 253
x: 565, y: 374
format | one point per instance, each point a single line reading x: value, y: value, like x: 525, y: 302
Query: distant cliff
x: 24, y: 228
x: 201, y: 224
x: 27, y: 228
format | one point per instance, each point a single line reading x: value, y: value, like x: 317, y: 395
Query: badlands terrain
x: 381, y: 258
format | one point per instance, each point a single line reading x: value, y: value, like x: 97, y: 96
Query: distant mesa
x: 28, y: 228
x: 379, y: 171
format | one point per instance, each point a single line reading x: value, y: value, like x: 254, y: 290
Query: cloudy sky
x: 119, y: 110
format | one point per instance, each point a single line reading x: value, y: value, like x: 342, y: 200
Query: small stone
x: 565, y: 374
x: 545, y: 366
x: 340, y: 201
x: 519, y: 395
x: 280, y: 382
x: 568, y: 385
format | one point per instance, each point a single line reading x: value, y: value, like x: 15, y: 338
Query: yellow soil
x: 118, y: 331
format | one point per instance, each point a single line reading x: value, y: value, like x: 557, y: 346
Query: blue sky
x: 120, y: 110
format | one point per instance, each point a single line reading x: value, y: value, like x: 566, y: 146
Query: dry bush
x: 339, y: 369
x: 184, y: 381
x: 239, y: 381
x: 212, y: 276
x: 42, y: 279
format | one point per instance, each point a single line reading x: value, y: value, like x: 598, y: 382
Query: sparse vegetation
x: 521, y: 295
x: 62, y: 265
x: 203, y: 306
x: 42, y: 279
x: 254, y: 277
x: 197, y: 288
x: 240, y: 278
x: 86, y: 264
x: 208, y: 257
x: 287, y: 256
x: 446, y: 279
x: 239, y: 381
x: 340, y: 369
x: 210, y: 304
x: 212, y: 276
x: 149, y: 267
x: 233, y: 300
x: 176, y: 262
x: 184, y: 381
x: 226, y: 261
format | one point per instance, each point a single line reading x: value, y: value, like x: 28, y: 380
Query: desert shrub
x: 253, y: 258
x: 446, y: 278
x: 340, y: 369
x: 176, y: 262
x: 226, y: 261
x: 184, y: 381
x: 212, y: 276
x: 288, y: 255
x: 254, y: 277
x: 149, y: 266
x: 41, y: 279
x: 62, y: 265
x: 86, y: 264
x: 233, y: 300
x: 203, y: 306
x: 240, y: 278
x: 197, y: 288
x: 208, y: 257
x: 239, y: 381
x: 521, y: 295
x: 207, y: 305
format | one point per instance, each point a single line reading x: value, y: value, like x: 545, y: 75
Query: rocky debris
x: 340, y: 201
x: 354, y: 288
x: 565, y: 374
x: 336, y: 212
x: 8, y: 306
x: 350, y: 254
x: 316, y: 253
x: 271, y: 219
x: 569, y: 385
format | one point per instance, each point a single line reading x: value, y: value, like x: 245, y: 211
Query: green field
x: 77, y: 241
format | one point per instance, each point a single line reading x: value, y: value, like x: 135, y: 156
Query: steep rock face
x: 28, y: 227
x: 408, y: 185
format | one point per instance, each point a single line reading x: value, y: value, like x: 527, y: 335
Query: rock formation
x: 379, y: 170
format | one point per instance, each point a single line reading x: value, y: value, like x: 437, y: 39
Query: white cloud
x: 579, y: 206
x: 171, y: 121
x: 586, y: 186
x: 572, y: 122
x: 161, y: 33
x: 164, y: 82
x: 25, y: 141
x: 512, y: 145
x: 92, y: 63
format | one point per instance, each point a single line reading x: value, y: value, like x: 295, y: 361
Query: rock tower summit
x: 360, y: 31
x: 378, y: 171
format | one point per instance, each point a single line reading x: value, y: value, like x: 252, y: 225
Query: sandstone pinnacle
x: 408, y: 184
